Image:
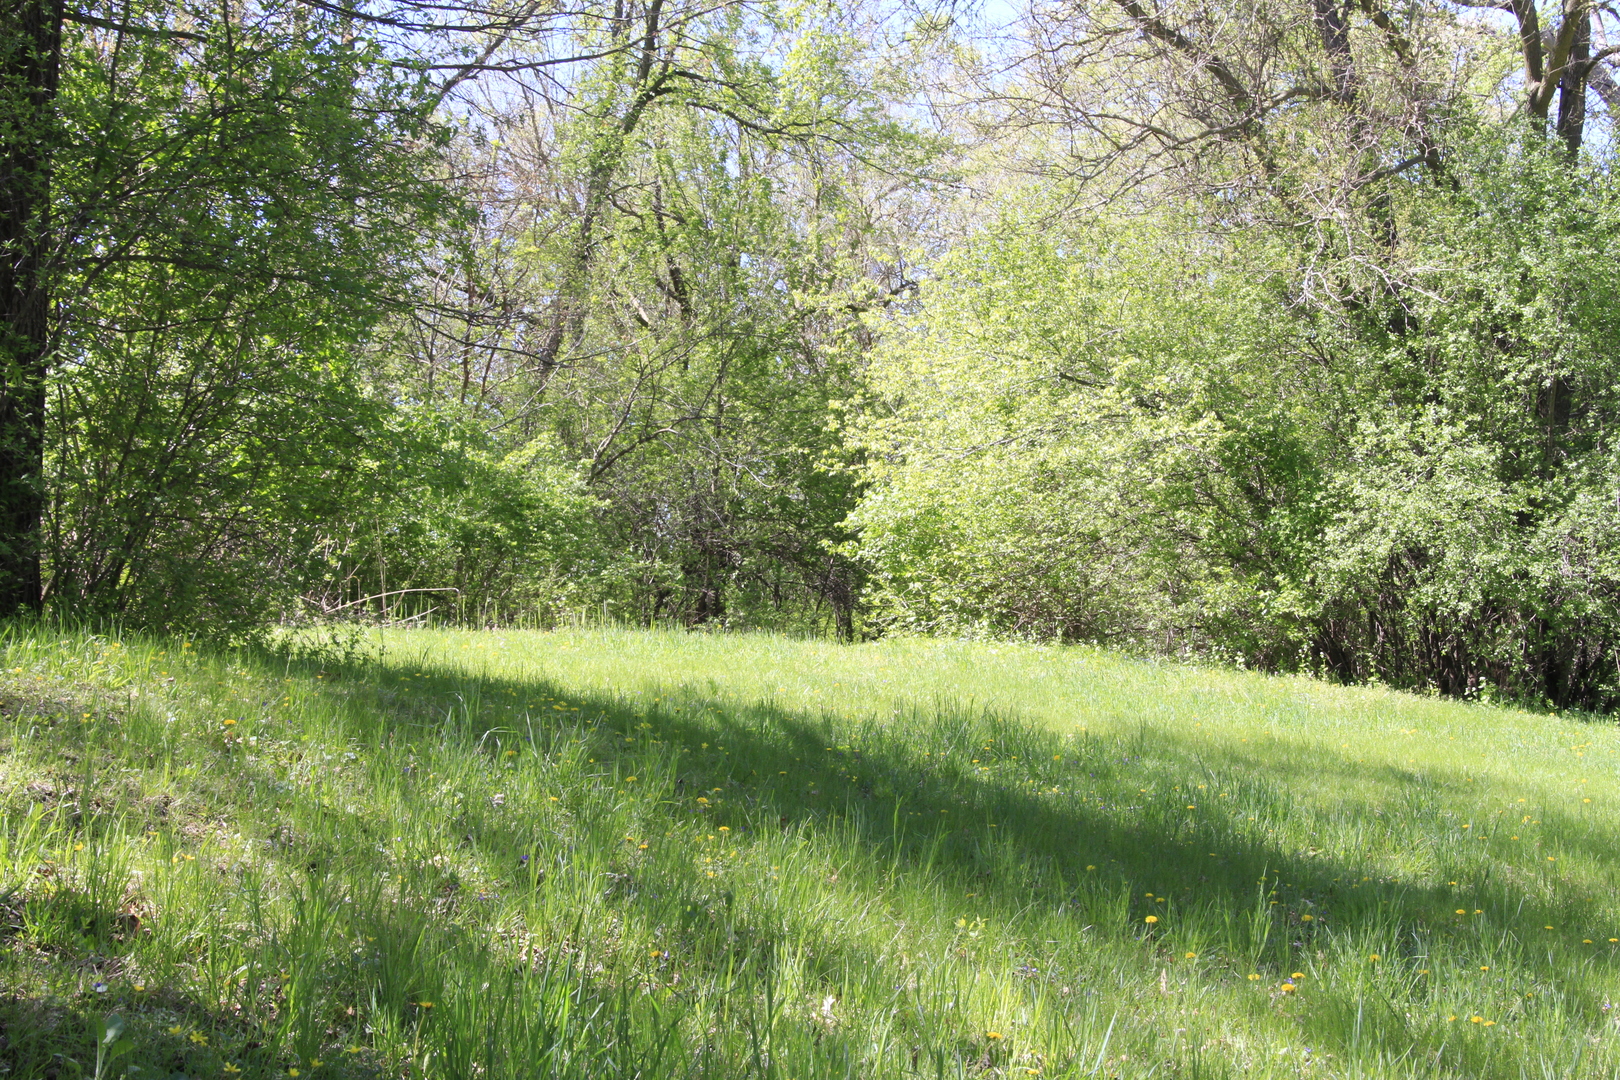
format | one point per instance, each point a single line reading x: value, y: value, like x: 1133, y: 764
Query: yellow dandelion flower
x: 230, y: 723
x: 1288, y: 988
x: 1476, y: 1019
x: 629, y: 779
x: 1254, y: 978
x: 992, y: 1034
x: 725, y: 828
x: 1373, y: 959
x: 1490, y: 1023
x: 1151, y: 919
x: 1307, y: 918
x: 1192, y: 956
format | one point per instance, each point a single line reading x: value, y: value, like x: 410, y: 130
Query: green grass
x: 604, y: 854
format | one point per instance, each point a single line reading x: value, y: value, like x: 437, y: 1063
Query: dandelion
x: 1254, y: 978
x: 1288, y: 988
x: 992, y: 1035
x: 1192, y: 956
x: 725, y: 828
x: 1373, y: 959
x: 1482, y: 967
x: 1586, y: 941
x: 230, y: 723
x: 1151, y: 919
x: 1297, y: 975
x: 1307, y: 918
x: 1476, y: 1019
x: 425, y: 1004
x: 1490, y: 1023
x: 78, y: 847
x: 629, y: 779
x: 703, y: 800
x: 1088, y: 868
x: 293, y: 1073
x: 1460, y: 911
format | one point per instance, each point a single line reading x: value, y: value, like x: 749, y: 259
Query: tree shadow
x: 1115, y: 829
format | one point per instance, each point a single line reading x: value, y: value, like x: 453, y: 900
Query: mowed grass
x: 618, y: 853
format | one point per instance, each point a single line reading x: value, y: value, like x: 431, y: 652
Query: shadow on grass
x: 921, y: 807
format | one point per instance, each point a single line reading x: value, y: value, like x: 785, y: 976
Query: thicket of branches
x: 1279, y: 331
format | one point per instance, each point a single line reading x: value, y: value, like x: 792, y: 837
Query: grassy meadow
x: 603, y: 853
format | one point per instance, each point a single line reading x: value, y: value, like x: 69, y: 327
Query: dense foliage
x: 1101, y: 432
x: 1276, y: 333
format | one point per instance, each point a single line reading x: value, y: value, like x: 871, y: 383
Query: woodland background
x: 1278, y: 332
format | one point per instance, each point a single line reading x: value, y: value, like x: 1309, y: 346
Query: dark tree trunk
x: 30, y: 60
x: 1572, y: 87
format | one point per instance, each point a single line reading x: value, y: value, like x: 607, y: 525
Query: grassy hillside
x: 603, y: 854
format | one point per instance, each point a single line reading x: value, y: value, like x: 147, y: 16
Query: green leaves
x: 1147, y: 430
x: 111, y: 1043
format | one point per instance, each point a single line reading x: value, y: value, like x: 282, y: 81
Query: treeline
x: 1282, y: 334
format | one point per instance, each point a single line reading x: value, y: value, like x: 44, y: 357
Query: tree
x: 212, y: 208
x: 30, y: 62
x: 1305, y: 362
x: 667, y: 280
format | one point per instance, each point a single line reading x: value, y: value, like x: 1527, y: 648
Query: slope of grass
x: 604, y: 854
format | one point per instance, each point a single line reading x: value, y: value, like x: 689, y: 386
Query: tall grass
x: 611, y: 853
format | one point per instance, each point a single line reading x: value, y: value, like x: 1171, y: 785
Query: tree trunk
x: 1572, y: 87
x: 30, y: 61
